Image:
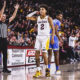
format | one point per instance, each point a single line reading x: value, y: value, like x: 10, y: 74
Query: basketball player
x: 42, y: 40
x: 55, y: 46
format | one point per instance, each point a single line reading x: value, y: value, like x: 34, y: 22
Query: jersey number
x: 42, y: 26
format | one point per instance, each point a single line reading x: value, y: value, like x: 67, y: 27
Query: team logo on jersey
x: 42, y: 21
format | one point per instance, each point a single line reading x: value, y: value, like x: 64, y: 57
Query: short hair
x: 44, y: 6
x: 58, y: 12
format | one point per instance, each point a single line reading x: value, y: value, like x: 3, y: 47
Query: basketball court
x: 69, y: 72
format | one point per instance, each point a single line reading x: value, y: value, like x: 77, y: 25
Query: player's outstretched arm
x: 2, y: 10
x: 31, y: 17
x: 53, y: 29
x: 14, y: 14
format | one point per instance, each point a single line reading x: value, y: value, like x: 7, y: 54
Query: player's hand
x: 37, y: 12
x: 52, y: 41
x: 16, y: 6
x: 4, y: 2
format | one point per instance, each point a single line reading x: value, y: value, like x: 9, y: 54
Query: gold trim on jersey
x: 47, y: 43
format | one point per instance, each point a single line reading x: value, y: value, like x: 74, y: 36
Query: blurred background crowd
x: 22, y: 32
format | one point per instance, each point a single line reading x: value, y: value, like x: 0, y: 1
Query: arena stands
x: 22, y: 32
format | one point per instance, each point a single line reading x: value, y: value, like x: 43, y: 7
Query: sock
x: 57, y: 68
x: 49, y: 66
x: 38, y: 68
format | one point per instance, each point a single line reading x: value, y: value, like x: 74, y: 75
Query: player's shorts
x: 54, y: 46
x: 42, y: 42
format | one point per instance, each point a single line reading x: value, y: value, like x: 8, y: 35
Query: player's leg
x: 45, y: 46
x: 46, y: 64
x: 56, y: 54
x: 50, y: 53
x: 37, y: 47
x: 37, y: 59
x: 49, y: 58
x: 44, y: 54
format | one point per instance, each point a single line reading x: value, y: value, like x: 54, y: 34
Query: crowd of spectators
x: 70, y: 47
x: 22, y: 32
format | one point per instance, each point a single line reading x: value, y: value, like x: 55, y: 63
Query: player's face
x: 3, y: 17
x: 43, y: 11
x: 60, y: 16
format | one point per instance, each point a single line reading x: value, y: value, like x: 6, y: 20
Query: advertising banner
x: 30, y: 56
x: 16, y: 57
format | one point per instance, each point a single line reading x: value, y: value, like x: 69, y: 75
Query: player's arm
x: 31, y: 16
x: 53, y: 29
x: 57, y: 33
x: 2, y: 10
x: 14, y: 13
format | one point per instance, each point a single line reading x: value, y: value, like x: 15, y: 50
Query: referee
x: 3, y: 34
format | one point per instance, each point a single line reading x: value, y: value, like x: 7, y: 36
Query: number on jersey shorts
x: 42, y: 42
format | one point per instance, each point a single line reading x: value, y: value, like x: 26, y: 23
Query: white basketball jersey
x: 43, y: 26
